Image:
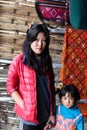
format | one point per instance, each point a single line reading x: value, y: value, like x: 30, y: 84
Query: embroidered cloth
x: 74, y: 61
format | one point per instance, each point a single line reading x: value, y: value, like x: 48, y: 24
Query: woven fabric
x: 74, y: 60
x: 51, y: 12
x: 56, y: 12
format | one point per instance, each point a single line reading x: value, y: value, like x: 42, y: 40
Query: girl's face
x: 39, y: 44
x: 67, y: 100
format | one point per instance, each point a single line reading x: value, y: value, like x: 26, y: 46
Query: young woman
x: 30, y: 81
x: 68, y: 115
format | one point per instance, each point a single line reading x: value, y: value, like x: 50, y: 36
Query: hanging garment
x: 53, y: 13
x: 74, y: 61
x: 78, y: 14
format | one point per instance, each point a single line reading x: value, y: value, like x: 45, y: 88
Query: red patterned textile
x: 74, y: 60
x: 53, y: 12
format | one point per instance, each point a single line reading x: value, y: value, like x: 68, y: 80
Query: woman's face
x: 39, y: 44
x: 67, y: 100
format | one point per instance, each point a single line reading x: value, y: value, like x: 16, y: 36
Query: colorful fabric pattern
x: 54, y: 11
x: 51, y: 12
x: 74, y: 60
x: 63, y: 123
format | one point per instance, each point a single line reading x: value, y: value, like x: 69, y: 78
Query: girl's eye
x: 64, y: 98
x: 71, y: 98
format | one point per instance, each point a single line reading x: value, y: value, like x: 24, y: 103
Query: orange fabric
x: 83, y: 107
x: 74, y: 61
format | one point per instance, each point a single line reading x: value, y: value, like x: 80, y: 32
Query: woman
x: 30, y: 81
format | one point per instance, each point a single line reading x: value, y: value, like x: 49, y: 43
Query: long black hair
x: 30, y: 56
x: 70, y: 89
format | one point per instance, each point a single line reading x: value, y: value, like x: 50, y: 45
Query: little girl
x: 68, y: 115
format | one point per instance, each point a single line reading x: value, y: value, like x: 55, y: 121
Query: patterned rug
x: 74, y: 60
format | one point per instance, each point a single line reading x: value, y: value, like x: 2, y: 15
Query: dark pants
x: 32, y: 127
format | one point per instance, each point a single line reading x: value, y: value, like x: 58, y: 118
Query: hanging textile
x: 74, y: 61
x: 53, y: 13
x: 78, y: 14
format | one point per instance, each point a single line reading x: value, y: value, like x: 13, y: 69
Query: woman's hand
x: 17, y: 98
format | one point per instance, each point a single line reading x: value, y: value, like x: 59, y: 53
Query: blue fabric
x: 71, y: 113
x: 27, y: 122
x: 78, y: 16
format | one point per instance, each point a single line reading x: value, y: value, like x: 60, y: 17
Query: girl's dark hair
x: 71, y: 89
x: 30, y: 56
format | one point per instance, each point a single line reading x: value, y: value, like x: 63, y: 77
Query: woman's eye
x: 37, y: 40
x: 44, y: 40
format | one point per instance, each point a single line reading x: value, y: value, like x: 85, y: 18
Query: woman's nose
x: 40, y: 42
